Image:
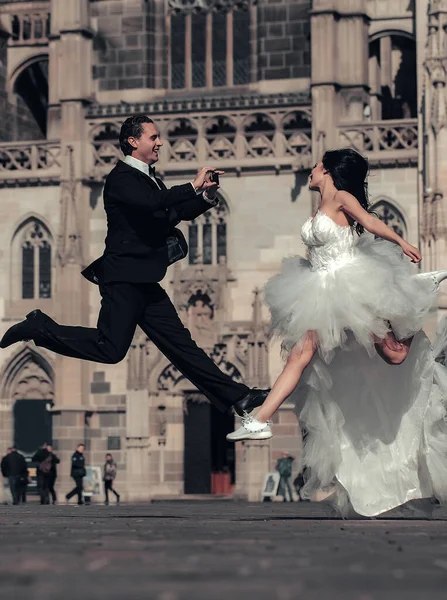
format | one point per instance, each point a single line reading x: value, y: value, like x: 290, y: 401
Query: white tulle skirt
x: 377, y: 434
x: 367, y: 293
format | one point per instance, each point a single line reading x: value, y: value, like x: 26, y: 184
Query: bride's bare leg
x: 297, y: 361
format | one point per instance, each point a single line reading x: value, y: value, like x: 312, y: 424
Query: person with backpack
x: 44, y: 459
x: 284, y: 468
x: 53, y: 474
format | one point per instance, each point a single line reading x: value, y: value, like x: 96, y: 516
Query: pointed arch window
x: 210, y: 43
x: 34, y: 248
x: 208, y: 237
x: 391, y: 216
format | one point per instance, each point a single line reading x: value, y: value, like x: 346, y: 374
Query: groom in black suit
x: 141, y: 242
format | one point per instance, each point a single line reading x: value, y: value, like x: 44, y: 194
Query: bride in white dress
x: 362, y: 374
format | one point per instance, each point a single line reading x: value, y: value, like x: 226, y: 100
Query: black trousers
x: 51, y: 482
x: 16, y: 487
x: 43, y: 485
x: 123, y: 307
x: 108, y: 487
x: 76, y: 490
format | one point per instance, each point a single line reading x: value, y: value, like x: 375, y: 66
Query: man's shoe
x: 250, y: 401
x: 23, y: 331
x: 251, y: 429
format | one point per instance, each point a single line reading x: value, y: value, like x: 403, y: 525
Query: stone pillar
x: 352, y: 59
x: 252, y: 467
x: 70, y: 85
x: 137, y: 445
x: 323, y: 80
x: 433, y: 136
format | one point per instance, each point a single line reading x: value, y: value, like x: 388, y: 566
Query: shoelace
x: 246, y: 419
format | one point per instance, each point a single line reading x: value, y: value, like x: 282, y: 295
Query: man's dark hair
x: 132, y: 127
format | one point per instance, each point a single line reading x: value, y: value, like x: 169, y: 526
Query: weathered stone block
x: 132, y: 24
x: 128, y: 56
x: 109, y: 420
x: 100, y: 387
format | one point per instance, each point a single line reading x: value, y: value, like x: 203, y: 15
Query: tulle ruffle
x: 365, y: 293
x: 376, y: 434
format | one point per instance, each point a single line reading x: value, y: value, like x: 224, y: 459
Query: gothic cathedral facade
x: 260, y: 88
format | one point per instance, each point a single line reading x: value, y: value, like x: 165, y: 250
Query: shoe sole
x: 251, y: 436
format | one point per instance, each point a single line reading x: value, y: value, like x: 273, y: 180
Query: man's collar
x: 140, y: 165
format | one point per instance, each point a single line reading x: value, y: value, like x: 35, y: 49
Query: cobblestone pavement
x: 215, y: 550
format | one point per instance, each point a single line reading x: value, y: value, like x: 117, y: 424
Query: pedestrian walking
x: 284, y: 468
x: 43, y: 459
x: 53, y: 474
x: 13, y: 466
x: 46, y: 473
x: 110, y: 469
x: 77, y: 473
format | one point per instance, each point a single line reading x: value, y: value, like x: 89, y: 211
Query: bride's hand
x: 412, y: 252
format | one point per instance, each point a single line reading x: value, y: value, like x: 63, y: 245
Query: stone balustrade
x: 272, y: 133
x: 394, y: 141
x: 245, y: 140
x: 30, y: 27
x: 30, y: 161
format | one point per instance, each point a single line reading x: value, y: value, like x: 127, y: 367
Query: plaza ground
x: 207, y: 550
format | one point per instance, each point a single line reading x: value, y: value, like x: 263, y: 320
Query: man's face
x: 80, y: 448
x: 49, y: 448
x: 147, y: 146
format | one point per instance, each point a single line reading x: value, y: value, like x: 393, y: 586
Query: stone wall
x: 284, y: 39
x: 121, y: 44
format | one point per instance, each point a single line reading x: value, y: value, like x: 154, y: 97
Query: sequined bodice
x: 330, y: 245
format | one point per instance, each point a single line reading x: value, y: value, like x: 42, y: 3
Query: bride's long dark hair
x: 349, y: 171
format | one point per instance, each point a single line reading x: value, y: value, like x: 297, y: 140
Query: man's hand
x: 202, y: 181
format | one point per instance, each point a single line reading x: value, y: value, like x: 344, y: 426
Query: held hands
x: 411, y: 251
x: 203, y: 182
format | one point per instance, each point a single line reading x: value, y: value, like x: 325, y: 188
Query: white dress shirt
x: 144, y: 168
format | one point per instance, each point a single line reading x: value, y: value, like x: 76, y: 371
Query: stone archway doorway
x: 28, y: 384
x: 209, y: 460
x: 32, y: 424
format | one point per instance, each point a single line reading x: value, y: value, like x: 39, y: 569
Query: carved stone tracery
x: 205, y: 6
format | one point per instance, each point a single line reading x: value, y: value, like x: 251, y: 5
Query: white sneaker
x: 251, y: 429
x: 436, y: 276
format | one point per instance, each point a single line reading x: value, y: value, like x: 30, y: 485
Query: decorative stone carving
x: 189, y: 6
x: 27, y: 376
x: 238, y: 133
x: 391, y: 217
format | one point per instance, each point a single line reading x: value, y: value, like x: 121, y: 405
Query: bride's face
x: 317, y: 176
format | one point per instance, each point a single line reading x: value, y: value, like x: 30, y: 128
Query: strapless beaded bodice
x: 330, y: 245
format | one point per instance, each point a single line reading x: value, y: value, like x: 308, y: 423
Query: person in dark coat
x: 53, y: 474
x: 46, y: 473
x: 13, y: 466
x: 284, y: 468
x: 77, y: 473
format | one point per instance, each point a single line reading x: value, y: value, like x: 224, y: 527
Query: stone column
x: 323, y: 77
x: 137, y: 445
x: 352, y: 59
x: 252, y: 466
x: 70, y: 82
x: 433, y: 136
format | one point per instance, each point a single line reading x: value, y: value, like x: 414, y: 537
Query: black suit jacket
x: 140, y: 217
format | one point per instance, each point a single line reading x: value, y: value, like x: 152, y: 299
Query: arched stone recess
x: 28, y: 375
x: 391, y: 214
x: 28, y: 94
